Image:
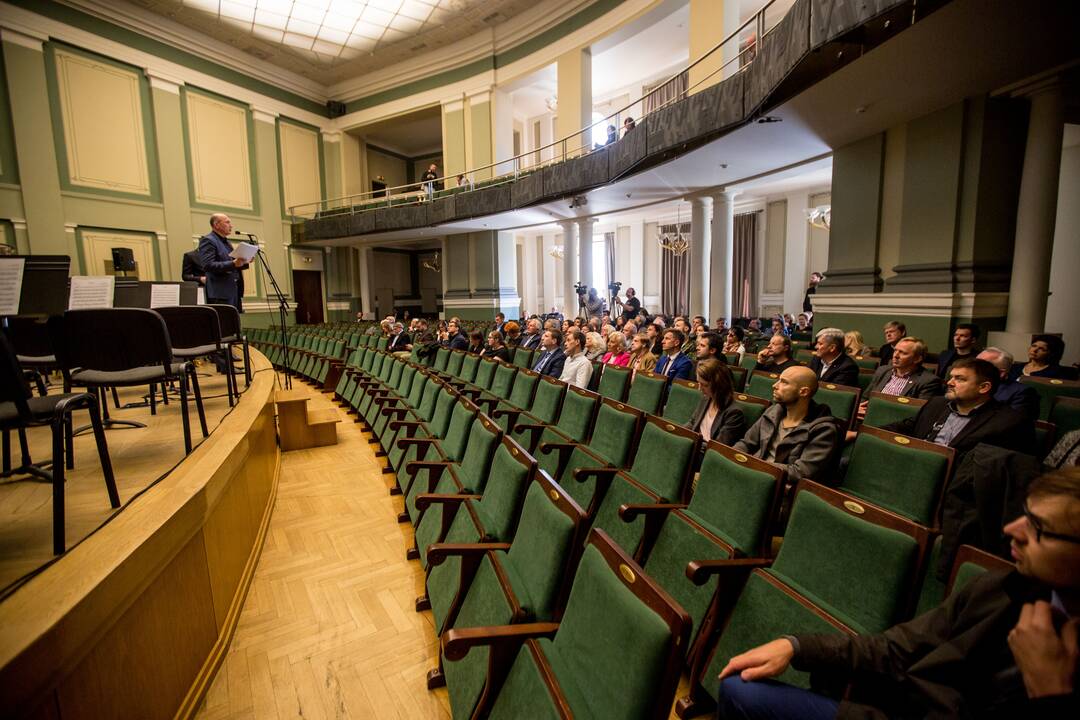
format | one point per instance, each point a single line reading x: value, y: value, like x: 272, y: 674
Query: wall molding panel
x: 301, y: 160
x: 218, y: 134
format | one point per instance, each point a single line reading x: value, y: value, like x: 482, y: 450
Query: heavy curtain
x: 674, y: 275
x: 744, y: 291
x: 665, y: 92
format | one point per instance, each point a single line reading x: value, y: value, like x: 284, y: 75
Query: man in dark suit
x: 905, y: 375
x: 531, y: 339
x: 399, y: 339
x: 831, y: 364
x: 192, y: 269
x: 965, y: 344
x: 894, y: 331
x: 455, y: 339
x: 551, y: 358
x: 673, y: 363
x: 969, y: 414
x: 1011, y: 392
x: 224, y: 274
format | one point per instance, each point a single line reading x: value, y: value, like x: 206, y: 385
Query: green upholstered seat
x: 752, y: 407
x: 1065, y: 414
x: 842, y: 567
x: 544, y: 410
x: 884, y: 409
x: 614, y: 653
x: 523, y: 584
x: 469, y: 364
x: 453, y: 365
x: 485, y: 373
x: 522, y: 357
x: 436, y: 427
x: 898, y: 473
x: 841, y: 400
x: 760, y: 384
x: 575, y: 421
x: 738, y: 377
x: 442, y: 357
x: 449, y: 447
x: 614, y: 380
x: 1050, y: 389
x: 683, y: 398
x: 647, y: 392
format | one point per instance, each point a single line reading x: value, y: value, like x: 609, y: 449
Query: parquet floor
x: 328, y: 629
x: 139, y: 456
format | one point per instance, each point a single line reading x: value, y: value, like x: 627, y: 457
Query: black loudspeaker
x: 335, y: 108
x: 123, y: 259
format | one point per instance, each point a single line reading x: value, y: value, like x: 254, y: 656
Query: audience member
x: 831, y: 364
x: 709, y: 346
x: 717, y: 416
x: 455, y: 339
x: 968, y: 414
x: 776, y: 356
x: 655, y: 334
x: 629, y: 330
x: 399, y: 339
x: 815, y: 280
x: 673, y: 363
x: 594, y: 345
x: 531, y: 339
x: 733, y: 343
x: 511, y: 334
x: 500, y: 320
x: 641, y: 356
x: 1011, y: 392
x: 1044, y: 359
x: 566, y: 326
x: 1003, y: 646
x: 894, y: 331
x: 779, y: 327
x: 802, y: 323
x: 476, y: 342
x: 430, y: 179
x: 795, y: 432
x: 577, y: 370
x: 628, y: 125
x: 965, y: 344
x: 905, y: 375
x: 551, y: 358
x: 496, y: 347
x: 854, y: 345
x: 616, y: 351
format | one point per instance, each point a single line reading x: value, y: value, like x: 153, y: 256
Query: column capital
x: 24, y: 37
x: 704, y: 199
x: 163, y: 81
x: 331, y: 135
x: 725, y: 195
x: 18, y: 223
x: 263, y: 115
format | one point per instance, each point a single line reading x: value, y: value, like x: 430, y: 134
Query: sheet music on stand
x: 164, y: 295
x: 90, y: 292
x: 11, y: 280
x: 200, y: 296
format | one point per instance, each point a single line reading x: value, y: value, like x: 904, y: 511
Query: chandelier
x: 557, y: 252
x: 434, y: 264
x: 820, y: 216
x: 675, y: 240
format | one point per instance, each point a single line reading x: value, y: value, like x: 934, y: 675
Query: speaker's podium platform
x: 300, y: 427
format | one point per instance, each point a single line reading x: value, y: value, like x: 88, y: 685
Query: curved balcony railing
x: 741, y: 47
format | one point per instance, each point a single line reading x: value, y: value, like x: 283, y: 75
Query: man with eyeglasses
x: 1004, y: 646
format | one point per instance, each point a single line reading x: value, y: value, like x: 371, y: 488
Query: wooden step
x: 299, y: 426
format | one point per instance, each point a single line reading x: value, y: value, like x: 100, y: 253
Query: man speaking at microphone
x: 224, y: 273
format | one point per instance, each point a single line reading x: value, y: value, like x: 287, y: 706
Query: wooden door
x: 307, y: 288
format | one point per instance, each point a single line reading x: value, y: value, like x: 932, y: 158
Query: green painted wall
x: 856, y: 218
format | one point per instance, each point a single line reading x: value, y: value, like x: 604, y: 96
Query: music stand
x: 44, y: 287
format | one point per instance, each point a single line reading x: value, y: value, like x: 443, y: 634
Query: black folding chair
x: 29, y: 336
x: 232, y: 334
x: 122, y: 347
x: 195, y: 332
x: 20, y: 410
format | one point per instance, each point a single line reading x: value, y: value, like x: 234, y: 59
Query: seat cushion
x: 134, y: 376
x: 194, y: 352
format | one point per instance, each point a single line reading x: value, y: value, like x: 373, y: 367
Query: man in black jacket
x: 969, y: 414
x: 831, y: 364
x: 192, y: 269
x: 455, y: 339
x: 1004, y: 646
x: 551, y: 359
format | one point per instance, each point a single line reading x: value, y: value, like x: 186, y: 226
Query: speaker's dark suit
x: 224, y: 281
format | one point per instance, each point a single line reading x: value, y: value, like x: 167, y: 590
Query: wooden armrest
x: 457, y: 642
x: 601, y: 474
x: 438, y: 552
x: 423, y: 500
x: 535, y: 430
x: 435, y: 466
x: 699, y: 571
x: 630, y: 511
x: 398, y: 411
x: 410, y: 424
x: 404, y: 443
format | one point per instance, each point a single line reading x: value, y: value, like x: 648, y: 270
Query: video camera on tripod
x: 581, y: 288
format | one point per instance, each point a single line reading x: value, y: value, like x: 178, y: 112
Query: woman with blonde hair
x: 594, y: 345
x: 854, y: 345
x: 641, y: 357
x: 616, y: 351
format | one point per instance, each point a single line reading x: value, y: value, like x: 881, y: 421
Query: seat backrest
x: 683, y: 398
x: 482, y: 438
x: 618, y: 646
x: 13, y: 387
x: 523, y: 357
x: 578, y: 410
x: 738, y: 377
x: 110, y: 340
x: 752, y: 407
x: 191, y: 326
x: 469, y: 365
x: 456, y: 438
x: 737, y: 498
x: 857, y: 562
x: 508, y: 475
x: 382, y: 343
x: 440, y: 417
x: 453, y: 365
x: 616, y: 430
x: 760, y: 384
x: 970, y: 563
x: 665, y: 458
x: 915, y: 478
x: 503, y: 380
x: 442, y: 357
x: 485, y: 374
x: 1065, y: 414
x: 749, y: 360
x: 842, y: 401
x: 29, y: 336
x: 416, y: 389
x: 613, y: 382
x: 882, y: 409
x: 548, y: 399
x: 525, y: 384
x: 866, y: 362
x: 1049, y: 389
x: 647, y: 391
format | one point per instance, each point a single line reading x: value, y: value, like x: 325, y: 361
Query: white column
x: 550, y: 281
x: 529, y: 273
x: 1035, y: 213
x: 723, y: 256
x: 636, y: 279
x: 365, y: 278
x: 700, y: 254
x: 585, y: 241
x: 570, y: 249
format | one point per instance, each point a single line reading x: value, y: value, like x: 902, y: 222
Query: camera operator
x: 631, y: 306
x: 594, y: 304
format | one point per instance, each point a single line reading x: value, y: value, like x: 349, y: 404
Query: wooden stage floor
x: 139, y: 457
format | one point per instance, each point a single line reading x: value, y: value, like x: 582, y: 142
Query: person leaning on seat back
x: 796, y: 433
x: 1003, y: 646
x: 968, y: 414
